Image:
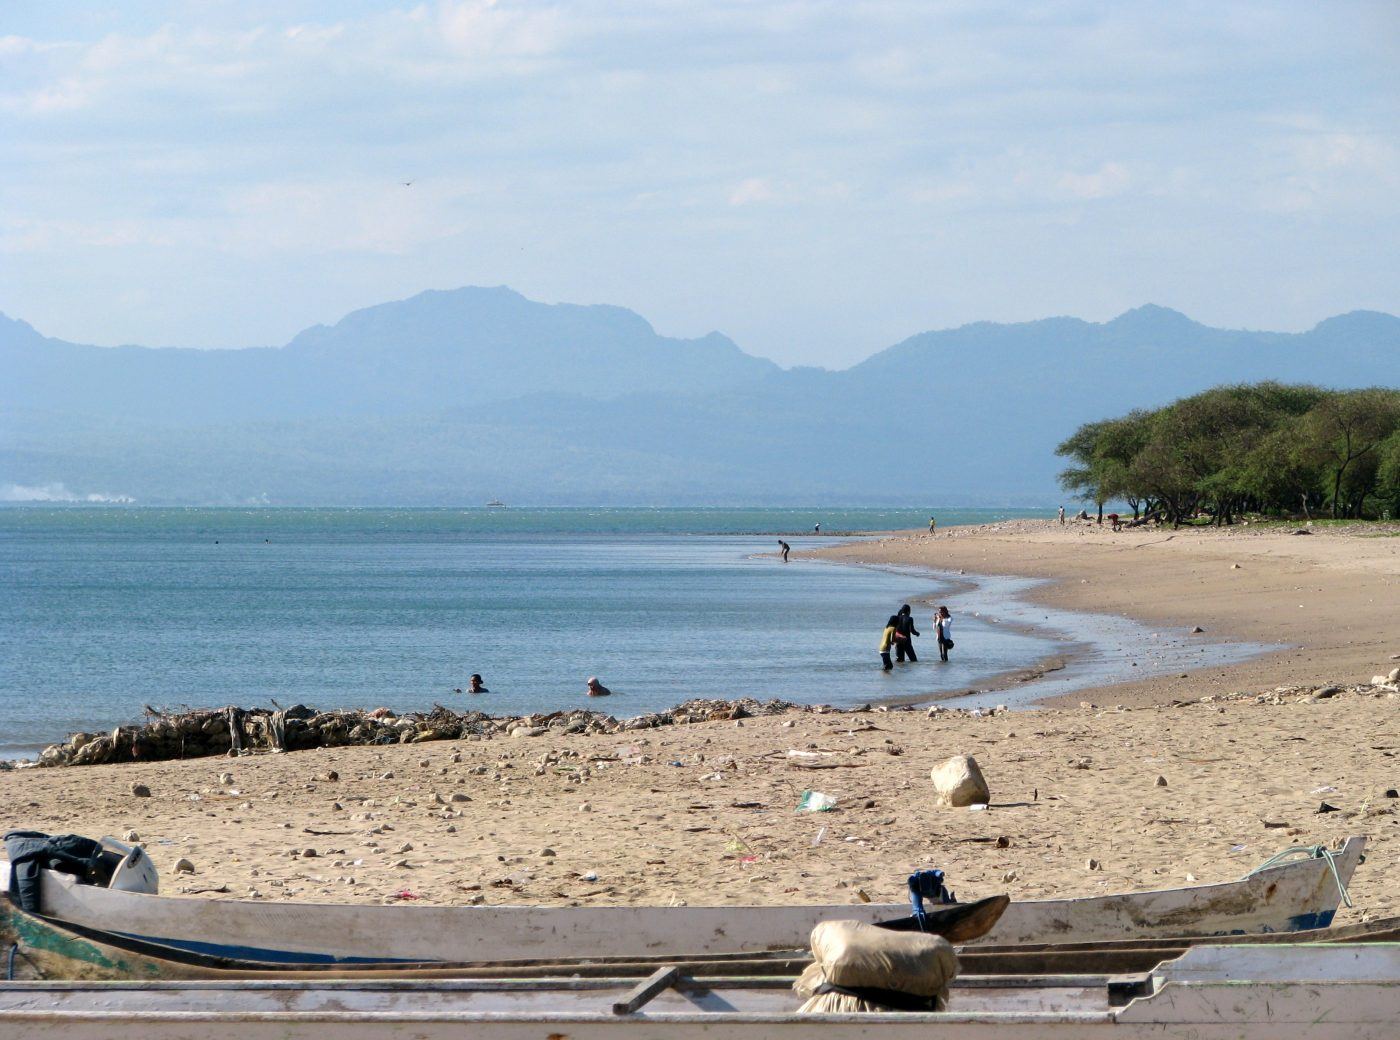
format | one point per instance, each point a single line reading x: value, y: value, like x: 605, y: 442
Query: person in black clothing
x: 904, y: 633
x: 784, y: 548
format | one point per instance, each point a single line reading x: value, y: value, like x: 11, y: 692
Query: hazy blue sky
x: 815, y: 179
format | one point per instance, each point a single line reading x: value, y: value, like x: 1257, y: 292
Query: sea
x: 106, y: 611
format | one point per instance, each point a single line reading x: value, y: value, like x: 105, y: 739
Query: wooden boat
x: 1260, y: 992
x: 1300, y: 894
x: 40, y: 948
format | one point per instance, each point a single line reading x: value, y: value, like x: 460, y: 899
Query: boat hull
x: 1285, y: 898
x: 1277, y: 992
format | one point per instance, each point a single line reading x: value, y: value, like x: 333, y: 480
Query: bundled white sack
x: 859, y: 967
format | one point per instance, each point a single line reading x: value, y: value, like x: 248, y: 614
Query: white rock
x: 183, y: 866
x: 959, y: 781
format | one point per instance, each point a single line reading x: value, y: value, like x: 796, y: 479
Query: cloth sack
x: 859, y: 967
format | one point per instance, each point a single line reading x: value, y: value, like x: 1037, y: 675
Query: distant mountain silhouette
x: 457, y: 397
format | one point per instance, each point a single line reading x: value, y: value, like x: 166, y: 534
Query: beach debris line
x: 198, y: 733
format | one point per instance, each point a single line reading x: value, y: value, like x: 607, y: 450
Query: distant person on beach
x: 784, y: 548
x: 886, y: 640
x: 932, y: 524
x: 475, y: 685
x: 904, y: 633
x: 1113, y: 520
x: 597, y: 689
x: 817, y: 528
x: 1062, y: 514
x: 943, y: 625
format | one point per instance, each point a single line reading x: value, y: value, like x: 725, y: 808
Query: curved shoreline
x: 1304, y: 611
x: 1096, y: 649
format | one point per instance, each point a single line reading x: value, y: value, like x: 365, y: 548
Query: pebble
x: 140, y: 791
x: 129, y: 836
x: 1093, y: 864
x: 183, y: 866
x: 405, y: 847
x: 226, y: 779
x: 458, y: 796
x: 548, y: 853
x: 1161, y: 781
x: 309, y: 853
x: 387, y: 775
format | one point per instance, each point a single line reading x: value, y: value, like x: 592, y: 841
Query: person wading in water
x: 943, y: 623
x: 886, y: 640
x: 904, y: 635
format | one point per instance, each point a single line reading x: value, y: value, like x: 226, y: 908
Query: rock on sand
x: 959, y: 781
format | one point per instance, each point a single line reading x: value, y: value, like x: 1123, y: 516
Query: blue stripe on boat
x: 257, y: 953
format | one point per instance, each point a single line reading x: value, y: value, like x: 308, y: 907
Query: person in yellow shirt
x: 886, y: 641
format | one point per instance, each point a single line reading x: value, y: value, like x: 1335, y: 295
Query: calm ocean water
x: 105, y: 610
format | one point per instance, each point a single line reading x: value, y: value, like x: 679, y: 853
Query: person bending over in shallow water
x: 904, y: 633
x: 476, y: 685
x: 784, y: 548
x: 943, y: 624
x: 597, y: 689
x: 886, y: 638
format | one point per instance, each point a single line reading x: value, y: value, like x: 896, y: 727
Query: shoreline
x: 1085, y: 651
x: 1307, y: 610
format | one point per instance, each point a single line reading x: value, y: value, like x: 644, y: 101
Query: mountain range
x: 456, y: 397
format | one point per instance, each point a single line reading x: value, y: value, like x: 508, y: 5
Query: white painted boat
x: 1299, y: 894
x: 1274, y: 992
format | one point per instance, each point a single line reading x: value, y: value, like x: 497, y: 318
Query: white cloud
x: 1109, y: 179
x: 751, y: 190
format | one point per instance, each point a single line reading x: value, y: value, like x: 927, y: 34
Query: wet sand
x: 1330, y: 601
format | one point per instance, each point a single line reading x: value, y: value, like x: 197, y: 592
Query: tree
x: 1345, y: 428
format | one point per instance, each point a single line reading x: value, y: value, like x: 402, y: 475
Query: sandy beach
x: 705, y: 813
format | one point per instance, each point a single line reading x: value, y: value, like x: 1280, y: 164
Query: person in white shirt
x: 943, y: 625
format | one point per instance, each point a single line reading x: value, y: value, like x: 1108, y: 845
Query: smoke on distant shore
x: 57, y: 492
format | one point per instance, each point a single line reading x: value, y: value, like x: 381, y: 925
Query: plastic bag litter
x: 860, y: 956
x: 816, y: 801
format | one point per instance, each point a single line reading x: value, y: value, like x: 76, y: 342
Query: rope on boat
x: 1308, y: 852
x: 10, y: 963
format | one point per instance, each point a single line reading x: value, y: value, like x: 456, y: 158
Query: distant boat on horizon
x: 496, y: 503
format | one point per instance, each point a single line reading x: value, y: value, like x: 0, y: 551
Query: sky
x: 816, y: 180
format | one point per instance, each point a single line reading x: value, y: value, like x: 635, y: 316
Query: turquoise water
x: 105, y: 610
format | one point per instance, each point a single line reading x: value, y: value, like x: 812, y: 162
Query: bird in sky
x: 408, y: 184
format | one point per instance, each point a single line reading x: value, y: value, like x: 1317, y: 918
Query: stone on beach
x: 183, y: 866
x: 140, y: 791
x: 958, y: 782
